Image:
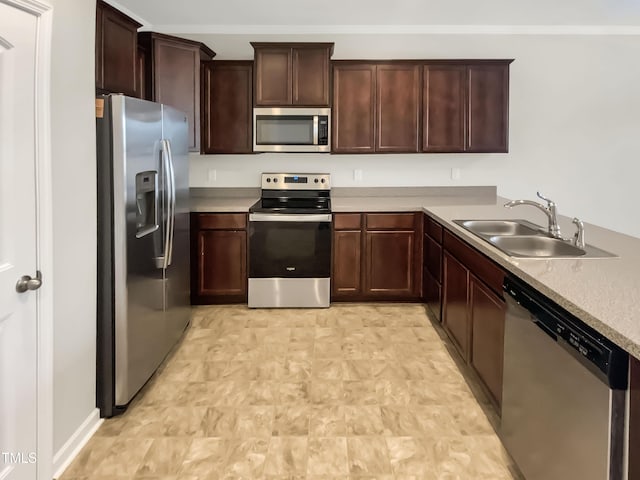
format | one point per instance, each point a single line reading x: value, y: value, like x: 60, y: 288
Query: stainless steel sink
x: 501, y: 227
x: 535, y: 246
x: 520, y: 238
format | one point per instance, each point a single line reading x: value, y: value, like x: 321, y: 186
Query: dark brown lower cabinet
x: 218, y: 258
x: 473, y: 311
x: 634, y: 419
x: 487, y: 346
x: 377, y: 256
x: 389, y: 264
x: 455, y: 300
x: 432, y: 276
x: 432, y: 294
x: 346, y: 279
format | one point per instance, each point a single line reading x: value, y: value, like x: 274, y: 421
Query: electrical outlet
x: 213, y: 174
x: 455, y: 174
x: 357, y: 175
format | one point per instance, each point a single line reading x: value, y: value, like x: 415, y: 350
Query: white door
x: 18, y: 246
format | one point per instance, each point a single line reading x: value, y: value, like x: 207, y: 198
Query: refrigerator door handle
x: 167, y: 184
x: 172, y: 210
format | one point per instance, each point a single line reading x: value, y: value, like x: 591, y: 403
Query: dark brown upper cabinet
x: 141, y: 68
x: 227, y: 105
x: 398, y: 108
x: 173, y: 76
x: 376, y: 107
x: 443, y: 111
x: 292, y: 74
x: 488, y: 107
x: 353, y: 114
x: 116, y: 51
x: 466, y: 106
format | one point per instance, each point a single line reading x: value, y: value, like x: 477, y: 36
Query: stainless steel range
x: 290, y: 241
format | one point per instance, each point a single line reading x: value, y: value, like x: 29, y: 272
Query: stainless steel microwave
x: 291, y: 129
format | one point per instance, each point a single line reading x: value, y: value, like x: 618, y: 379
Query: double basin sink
x: 520, y: 238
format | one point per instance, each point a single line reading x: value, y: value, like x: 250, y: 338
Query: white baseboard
x: 63, y: 457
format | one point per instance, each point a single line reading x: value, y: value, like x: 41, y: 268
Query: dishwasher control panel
x: 598, y: 353
x: 579, y: 341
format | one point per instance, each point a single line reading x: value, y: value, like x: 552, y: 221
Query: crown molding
x: 145, y: 24
x: 621, y: 30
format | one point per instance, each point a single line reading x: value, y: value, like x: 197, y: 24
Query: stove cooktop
x: 291, y: 206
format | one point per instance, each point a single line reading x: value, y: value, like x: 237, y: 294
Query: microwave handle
x: 315, y: 129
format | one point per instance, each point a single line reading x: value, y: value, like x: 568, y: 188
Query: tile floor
x: 351, y: 392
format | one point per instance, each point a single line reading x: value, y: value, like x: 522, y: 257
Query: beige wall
x: 573, y: 123
x: 74, y: 207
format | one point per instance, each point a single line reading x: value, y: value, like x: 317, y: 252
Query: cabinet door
x: 176, y: 81
x: 311, y: 76
x: 390, y: 264
x: 119, y: 51
x: 98, y: 47
x: 273, y: 76
x: 227, y: 107
x: 222, y: 266
x: 433, y: 257
x: 634, y: 418
x: 488, y: 107
x: 443, y: 113
x: 353, y: 115
x: 398, y: 108
x: 432, y: 276
x: 347, y: 258
x: 142, y: 58
x: 455, y: 318
x: 487, y: 324
x: 432, y: 292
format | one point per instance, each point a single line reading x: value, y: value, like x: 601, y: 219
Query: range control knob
x: 275, y: 180
x: 316, y: 180
x: 322, y: 180
x: 268, y: 180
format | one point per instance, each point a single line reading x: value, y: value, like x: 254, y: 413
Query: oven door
x: 289, y: 245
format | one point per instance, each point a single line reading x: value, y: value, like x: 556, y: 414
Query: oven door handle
x: 283, y: 217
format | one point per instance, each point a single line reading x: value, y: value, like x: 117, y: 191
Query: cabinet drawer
x: 347, y: 221
x: 222, y: 221
x: 481, y: 266
x: 391, y: 221
x: 433, y: 228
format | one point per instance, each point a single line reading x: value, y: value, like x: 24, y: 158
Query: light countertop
x: 222, y: 204
x: 604, y: 293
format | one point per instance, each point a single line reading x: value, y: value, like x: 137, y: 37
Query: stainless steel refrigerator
x: 143, y: 243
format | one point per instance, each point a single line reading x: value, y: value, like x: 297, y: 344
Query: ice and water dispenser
x: 146, y: 203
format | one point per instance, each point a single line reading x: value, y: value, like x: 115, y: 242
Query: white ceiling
x: 381, y: 28
x: 330, y: 16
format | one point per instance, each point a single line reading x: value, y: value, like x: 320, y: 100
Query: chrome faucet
x: 550, y: 211
x: 578, y: 238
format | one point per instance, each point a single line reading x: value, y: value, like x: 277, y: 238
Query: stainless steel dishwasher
x: 563, y: 400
